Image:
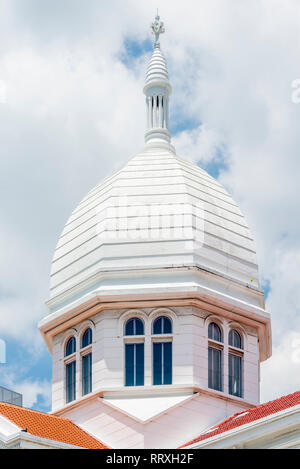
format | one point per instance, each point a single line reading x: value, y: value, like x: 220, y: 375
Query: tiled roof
x: 248, y: 416
x: 49, y: 426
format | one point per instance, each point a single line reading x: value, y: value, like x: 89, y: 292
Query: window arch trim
x: 217, y: 334
x: 166, y: 325
x: 235, y: 339
x: 133, y: 327
x: 70, y: 346
x: 86, y: 338
x: 83, y: 327
x: 132, y: 313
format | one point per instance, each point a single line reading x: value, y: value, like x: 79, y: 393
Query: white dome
x: 158, y: 224
x: 127, y: 224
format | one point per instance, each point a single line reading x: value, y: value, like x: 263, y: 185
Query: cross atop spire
x: 157, y: 28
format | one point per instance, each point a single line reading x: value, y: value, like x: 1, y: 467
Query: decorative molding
x: 157, y: 312
x: 115, y: 274
x: 71, y: 332
x: 52, y: 326
x: 132, y: 313
x: 150, y: 390
x: 83, y: 326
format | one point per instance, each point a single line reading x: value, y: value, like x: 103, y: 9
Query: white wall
x: 169, y: 430
x: 190, y: 370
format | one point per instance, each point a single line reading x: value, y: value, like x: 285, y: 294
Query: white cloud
x: 73, y: 112
x: 280, y: 374
x: 32, y: 390
x: 200, y: 145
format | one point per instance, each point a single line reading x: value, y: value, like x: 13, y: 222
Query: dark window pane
x: 134, y: 327
x: 134, y: 364
x: 71, y: 381
x: 86, y: 374
x: 167, y: 325
x: 129, y: 327
x: 234, y: 339
x: 157, y: 363
x: 71, y: 346
x: 214, y: 369
x: 157, y: 326
x: 139, y: 327
x: 139, y: 379
x: 167, y: 349
x: 87, y: 338
x: 214, y: 332
x: 235, y: 375
x: 129, y: 364
x: 162, y: 363
x: 162, y: 325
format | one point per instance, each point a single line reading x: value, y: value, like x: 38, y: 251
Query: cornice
x: 145, y: 391
x: 242, y: 313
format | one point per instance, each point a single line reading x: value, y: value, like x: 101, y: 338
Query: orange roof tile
x: 247, y: 416
x: 49, y: 426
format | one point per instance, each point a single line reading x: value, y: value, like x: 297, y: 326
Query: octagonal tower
x: 157, y: 323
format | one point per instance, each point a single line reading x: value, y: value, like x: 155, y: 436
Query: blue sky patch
x: 133, y: 49
x: 26, y: 366
x: 216, y: 166
x: 266, y: 286
x: 179, y: 123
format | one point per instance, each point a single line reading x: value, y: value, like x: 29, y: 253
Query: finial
x: 157, y: 29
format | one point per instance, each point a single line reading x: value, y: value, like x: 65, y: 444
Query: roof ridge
x: 38, y: 420
x: 6, y: 404
x: 226, y: 424
x: 84, y: 431
x: 252, y: 409
x: 272, y: 401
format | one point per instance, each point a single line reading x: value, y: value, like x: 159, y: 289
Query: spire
x: 157, y: 90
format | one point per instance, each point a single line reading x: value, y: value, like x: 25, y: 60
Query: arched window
x: 70, y: 371
x: 70, y: 347
x: 134, y: 353
x: 134, y: 326
x: 87, y: 338
x: 214, y: 332
x: 162, y: 352
x: 215, y: 357
x: 86, y: 362
x: 235, y: 364
x: 162, y: 325
x: 235, y: 339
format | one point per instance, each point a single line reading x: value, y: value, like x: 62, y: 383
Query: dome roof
x: 159, y: 211
x: 156, y: 217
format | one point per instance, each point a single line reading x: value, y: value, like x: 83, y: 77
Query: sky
x: 72, y: 111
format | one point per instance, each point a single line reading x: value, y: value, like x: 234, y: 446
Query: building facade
x: 273, y: 425
x: 157, y: 323
x: 10, y: 397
